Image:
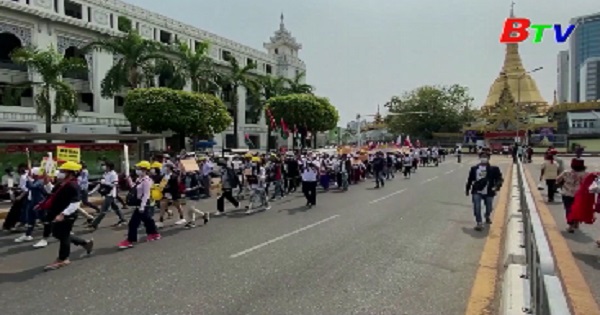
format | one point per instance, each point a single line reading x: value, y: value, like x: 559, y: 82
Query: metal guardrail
x: 546, y: 295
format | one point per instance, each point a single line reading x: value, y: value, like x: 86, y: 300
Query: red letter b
x: 515, y: 30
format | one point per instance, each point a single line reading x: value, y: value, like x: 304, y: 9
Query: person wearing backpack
x: 61, y: 209
x: 192, y: 193
x: 140, y: 197
x: 229, y: 181
x: 108, y: 189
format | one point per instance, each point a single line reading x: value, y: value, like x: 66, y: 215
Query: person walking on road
x: 108, y: 189
x: 570, y: 181
x: 483, y: 182
x: 61, y: 207
x: 549, y: 173
x: 229, y: 181
x: 379, y: 164
x: 309, y: 183
x: 139, y: 197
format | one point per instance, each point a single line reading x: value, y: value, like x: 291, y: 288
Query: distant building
x: 584, y: 48
x: 562, y: 74
x: 69, y: 25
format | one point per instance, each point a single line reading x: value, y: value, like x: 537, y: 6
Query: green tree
x: 157, y: 110
x: 429, y: 109
x: 267, y: 87
x: 308, y: 112
x: 197, y: 66
x: 236, y: 76
x: 296, y: 85
x: 51, y: 66
x: 134, y: 53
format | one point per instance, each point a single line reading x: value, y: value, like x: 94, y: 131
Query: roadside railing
x: 546, y: 295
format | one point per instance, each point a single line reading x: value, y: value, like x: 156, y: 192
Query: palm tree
x: 270, y: 87
x: 51, y: 66
x: 236, y: 76
x: 197, y: 66
x: 134, y: 54
x: 295, y: 85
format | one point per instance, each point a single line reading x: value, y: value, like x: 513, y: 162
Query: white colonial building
x: 70, y: 24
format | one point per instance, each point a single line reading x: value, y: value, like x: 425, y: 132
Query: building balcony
x: 584, y: 131
x: 9, y: 65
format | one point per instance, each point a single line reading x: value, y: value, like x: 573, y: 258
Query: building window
x: 225, y: 55
x: 165, y: 37
x: 249, y: 61
x: 229, y: 141
x: 89, y: 9
x: 276, y: 51
x: 87, y: 102
x: 124, y: 24
x: 268, y: 69
x: 73, y: 9
x: 119, y: 104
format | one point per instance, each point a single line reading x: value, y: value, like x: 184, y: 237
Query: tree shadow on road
x: 588, y: 259
x: 476, y: 234
x: 578, y: 237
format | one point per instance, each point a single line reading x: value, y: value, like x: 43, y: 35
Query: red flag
x: 271, y: 119
x: 284, y: 129
x: 407, y: 142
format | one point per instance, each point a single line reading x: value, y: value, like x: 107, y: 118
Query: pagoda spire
x: 281, y: 23
x: 513, y: 73
x: 512, y: 9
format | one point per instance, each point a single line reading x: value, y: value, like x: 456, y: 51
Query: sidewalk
x: 576, y: 254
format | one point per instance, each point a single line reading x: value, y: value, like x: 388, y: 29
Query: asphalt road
x: 581, y: 243
x: 409, y: 248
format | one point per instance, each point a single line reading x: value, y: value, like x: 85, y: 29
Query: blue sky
x: 360, y: 53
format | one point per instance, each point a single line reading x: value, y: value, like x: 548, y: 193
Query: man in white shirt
x: 309, y: 184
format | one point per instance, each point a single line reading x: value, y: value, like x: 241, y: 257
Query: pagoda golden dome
x: 520, y: 83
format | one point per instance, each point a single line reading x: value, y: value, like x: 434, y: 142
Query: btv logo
x: 515, y: 31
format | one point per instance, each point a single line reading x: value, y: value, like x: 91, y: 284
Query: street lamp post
x: 519, y: 101
x: 358, y: 131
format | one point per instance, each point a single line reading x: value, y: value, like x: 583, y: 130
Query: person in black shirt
x: 379, y: 164
x: 171, y: 195
x: 61, y: 207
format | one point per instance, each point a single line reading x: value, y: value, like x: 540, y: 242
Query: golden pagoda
x: 520, y: 83
x: 378, y: 122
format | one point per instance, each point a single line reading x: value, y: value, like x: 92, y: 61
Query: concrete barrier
x: 514, y: 251
x: 515, y: 288
x: 514, y: 291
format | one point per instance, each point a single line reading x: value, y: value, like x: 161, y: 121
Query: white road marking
x: 450, y: 171
x: 279, y: 238
x: 386, y: 197
x: 428, y: 180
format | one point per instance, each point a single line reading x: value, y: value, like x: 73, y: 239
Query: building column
x: 102, y: 62
x: 60, y: 6
x: 241, y: 116
x: 84, y: 13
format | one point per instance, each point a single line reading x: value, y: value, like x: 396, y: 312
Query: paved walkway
x: 408, y: 248
x: 580, y: 244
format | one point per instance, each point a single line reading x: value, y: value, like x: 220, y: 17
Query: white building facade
x: 68, y: 25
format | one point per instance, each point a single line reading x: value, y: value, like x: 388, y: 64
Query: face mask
x: 152, y: 171
x: 61, y: 175
x: 483, y: 160
x: 104, y: 167
x: 139, y: 172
